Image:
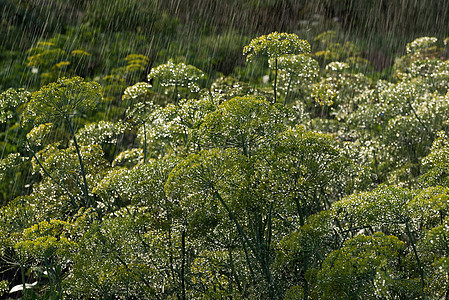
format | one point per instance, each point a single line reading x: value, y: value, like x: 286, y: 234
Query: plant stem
x: 72, y: 199
x: 183, y: 261
x: 22, y: 271
x: 264, y: 263
x: 421, y: 122
x: 50, y: 279
x: 83, y: 173
x: 418, y: 261
x: 144, y: 143
x: 288, y: 89
x: 275, y: 78
x: 176, y: 94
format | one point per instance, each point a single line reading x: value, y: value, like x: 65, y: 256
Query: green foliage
x: 338, y: 192
x: 136, y: 91
x: 226, y: 88
x: 435, y: 244
x: 302, y: 252
x: 46, y: 239
x: 136, y: 65
x: 383, y: 207
x: 421, y: 49
x: 301, y: 65
x: 332, y: 51
x: 142, y: 185
x: 38, y: 135
x: 175, y: 129
x: 309, y: 171
x: 429, y: 207
x: 121, y: 257
x: 435, y: 162
x: 9, y: 163
x: 245, y: 123
x: 128, y: 158
x: 421, y: 45
x: 363, y: 267
x: 48, y: 244
x: 61, y: 191
x: 115, y: 15
x: 274, y: 45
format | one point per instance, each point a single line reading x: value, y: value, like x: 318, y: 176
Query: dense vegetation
x: 143, y: 160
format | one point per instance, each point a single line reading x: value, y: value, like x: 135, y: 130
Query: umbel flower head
x: 301, y: 65
x: 135, y: 91
x: 180, y: 75
x: 421, y: 44
x: 63, y: 98
x: 11, y: 100
x: 276, y: 44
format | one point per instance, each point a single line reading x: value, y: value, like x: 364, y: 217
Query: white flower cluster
x: 10, y: 100
x: 9, y: 162
x: 101, y: 132
x: 177, y: 75
x: 131, y: 156
x: 420, y: 44
x: 136, y: 91
x: 38, y: 134
x: 337, y: 66
x: 301, y: 65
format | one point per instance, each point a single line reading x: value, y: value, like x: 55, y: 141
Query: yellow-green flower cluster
x: 46, y: 239
x: 324, y: 93
x: 181, y: 75
x: 10, y: 100
x: 37, y: 135
x: 135, y: 91
x: 301, y: 65
x: 136, y: 62
x: 63, y: 98
x: 100, y: 132
x: 337, y: 66
x: 276, y: 44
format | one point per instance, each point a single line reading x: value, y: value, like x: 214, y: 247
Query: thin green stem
x: 83, y: 173
x: 170, y: 253
x: 288, y: 89
x: 264, y: 264
x: 22, y: 271
x: 49, y: 273
x: 233, y: 272
x: 176, y: 94
x: 275, y: 78
x: 418, y: 261
x: 183, y: 262
x: 72, y: 199
x: 421, y: 122
x: 144, y: 143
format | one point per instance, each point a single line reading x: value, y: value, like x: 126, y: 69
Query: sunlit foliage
x: 339, y: 190
x: 363, y: 267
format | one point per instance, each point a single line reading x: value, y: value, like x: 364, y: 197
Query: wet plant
x: 273, y: 46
